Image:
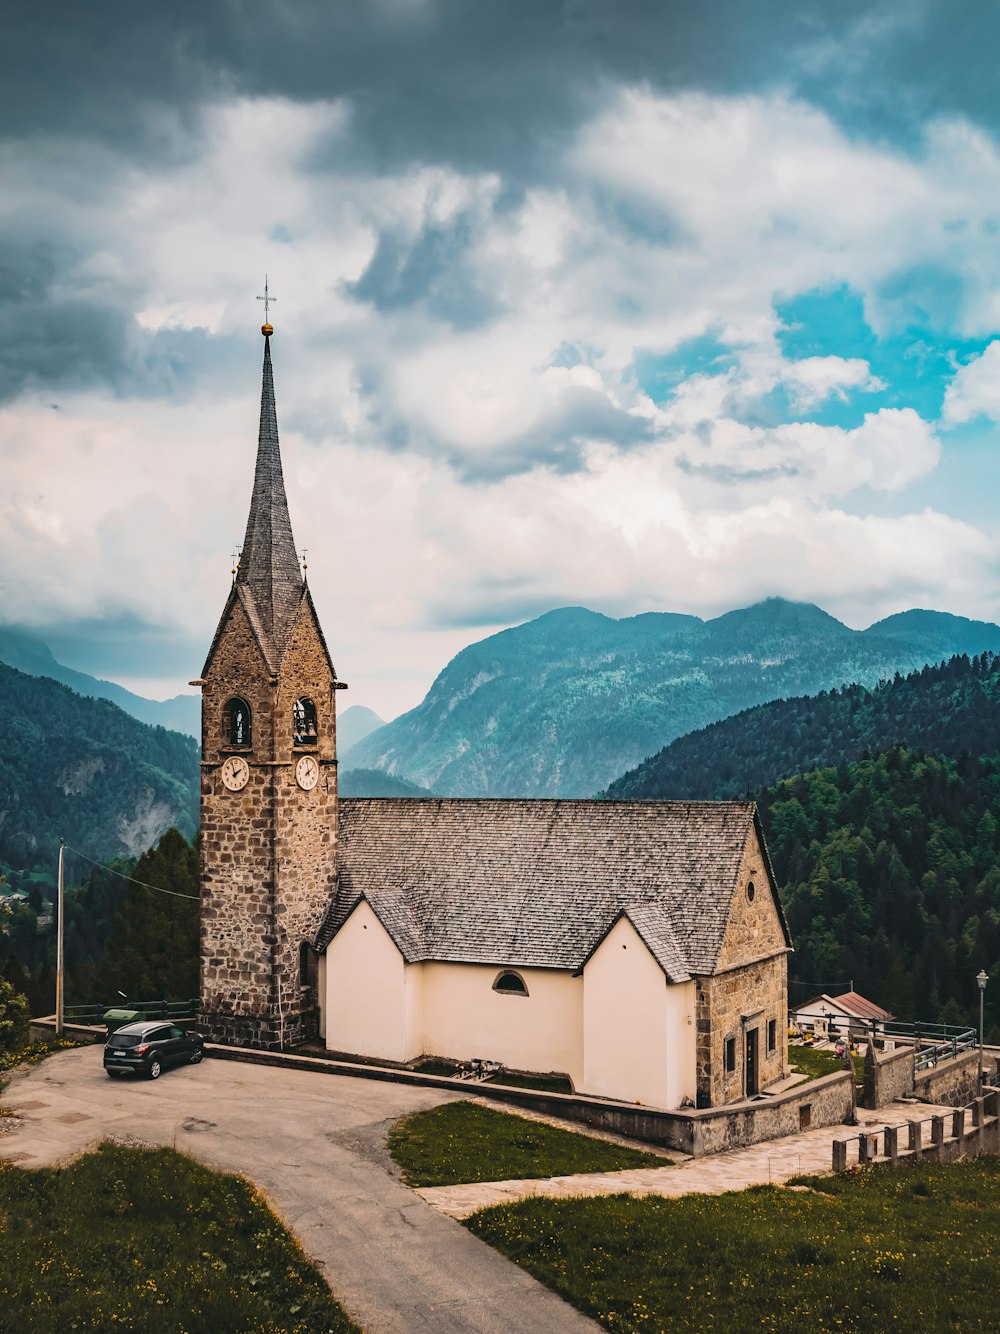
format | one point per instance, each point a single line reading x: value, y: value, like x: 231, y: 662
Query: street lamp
x: 982, y: 977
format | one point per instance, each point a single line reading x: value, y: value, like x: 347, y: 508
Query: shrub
x: 14, y: 1018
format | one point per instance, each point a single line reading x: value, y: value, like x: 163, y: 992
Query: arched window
x: 510, y: 983
x: 304, y: 722
x: 236, y: 723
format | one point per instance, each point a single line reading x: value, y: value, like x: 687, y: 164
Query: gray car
x: 149, y: 1047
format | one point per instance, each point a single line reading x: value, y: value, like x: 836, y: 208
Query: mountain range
x: 564, y: 704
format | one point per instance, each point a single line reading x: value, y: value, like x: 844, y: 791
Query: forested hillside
x: 84, y: 770
x: 950, y: 709
x: 890, y: 874
x: 563, y: 705
x: 120, y: 935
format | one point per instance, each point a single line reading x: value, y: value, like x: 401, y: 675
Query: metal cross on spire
x: 267, y: 299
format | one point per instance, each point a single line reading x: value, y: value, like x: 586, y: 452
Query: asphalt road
x: 315, y: 1145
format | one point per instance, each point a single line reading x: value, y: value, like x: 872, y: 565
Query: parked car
x: 149, y: 1047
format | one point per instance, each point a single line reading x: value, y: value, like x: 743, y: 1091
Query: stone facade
x: 747, y: 993
x: 269, y: 851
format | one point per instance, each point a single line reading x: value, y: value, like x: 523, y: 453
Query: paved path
x: 315, y: 1144
x: 774, y: 1162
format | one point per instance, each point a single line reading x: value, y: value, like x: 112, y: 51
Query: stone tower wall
x: 305, y: 825
x: 268, y: 852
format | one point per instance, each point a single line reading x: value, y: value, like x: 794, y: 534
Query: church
x: 638, y: 948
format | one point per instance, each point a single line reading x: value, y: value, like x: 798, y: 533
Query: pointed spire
x: 269, y: 566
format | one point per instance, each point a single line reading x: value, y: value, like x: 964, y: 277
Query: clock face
x: 235, y: 773
x: 307, y: 773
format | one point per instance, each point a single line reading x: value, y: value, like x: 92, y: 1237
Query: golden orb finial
x: 267, y: 330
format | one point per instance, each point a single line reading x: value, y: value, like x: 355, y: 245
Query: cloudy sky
x: 636, y: 306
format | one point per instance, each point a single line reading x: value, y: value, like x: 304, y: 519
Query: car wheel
x: 155, y: 1068
x: 196, y: 1056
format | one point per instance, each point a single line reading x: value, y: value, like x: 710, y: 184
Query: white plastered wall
x: 639, y: 1030
x: 365, y: 996
x: 463, y: 1017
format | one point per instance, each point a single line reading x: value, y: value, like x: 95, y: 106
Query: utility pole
x: 59, y: 942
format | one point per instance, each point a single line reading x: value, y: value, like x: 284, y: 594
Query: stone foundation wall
x: 821, y: 1102
x: 263, y: 1029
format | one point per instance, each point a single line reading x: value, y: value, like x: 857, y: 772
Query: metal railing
x: 947, y: 1045
x: 155, y: 1009
x: 931, y: 1042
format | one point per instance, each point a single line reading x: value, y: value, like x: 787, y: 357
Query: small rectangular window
x: 730, y: 1055
x: 772, y: 1034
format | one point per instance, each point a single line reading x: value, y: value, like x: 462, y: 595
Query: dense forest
x: 120, y: 935
x: 890, y: 876
x: 951, y: 709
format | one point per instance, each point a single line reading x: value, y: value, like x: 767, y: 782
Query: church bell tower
x: 268, y: 779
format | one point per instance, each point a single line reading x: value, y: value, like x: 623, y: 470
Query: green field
x: 913, y: 1249
x: 463, y: 1142
x: 148, y: 1240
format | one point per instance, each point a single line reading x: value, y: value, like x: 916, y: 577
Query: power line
x: 795, y: 982
x: 130, y: 878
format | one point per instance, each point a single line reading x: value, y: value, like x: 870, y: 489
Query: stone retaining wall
x: 820, y: 1102
x: 951, y: 1083
x: 888, y: 1076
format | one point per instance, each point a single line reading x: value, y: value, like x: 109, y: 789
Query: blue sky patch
x: 658, y: 375
x: 916, y: 363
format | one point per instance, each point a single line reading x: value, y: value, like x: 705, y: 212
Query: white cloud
x: 386, y: 406
x: 975, y: 390
x: 812, y: 380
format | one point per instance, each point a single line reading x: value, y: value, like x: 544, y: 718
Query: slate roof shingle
x: 538, y: 883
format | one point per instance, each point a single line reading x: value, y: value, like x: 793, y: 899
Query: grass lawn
x: 815, y: 1063
x: 461, y: 1142
x: 149, y: 1240
x: 910, y: 1249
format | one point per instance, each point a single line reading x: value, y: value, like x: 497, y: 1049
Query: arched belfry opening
x: 237, y: 722
x: 304, y: 722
